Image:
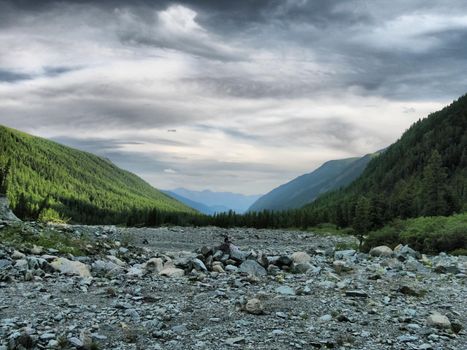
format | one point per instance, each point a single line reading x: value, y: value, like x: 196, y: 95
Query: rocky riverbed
x: 209, y: 288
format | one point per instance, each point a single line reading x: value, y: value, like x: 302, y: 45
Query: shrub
x: 51, y: 215
x: 426, y: 234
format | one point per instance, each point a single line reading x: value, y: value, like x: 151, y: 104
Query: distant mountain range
x: 306, y: 188
x: 209, y: 202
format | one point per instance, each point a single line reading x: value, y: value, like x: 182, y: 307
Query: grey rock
x: 382, y: 251
x: 199, y: 265
x: 251, y: 267
x: 235, y: 341
x: 438, y: 320
x: 285, y: 290
x: 344, y: 254
x: 254, y: 306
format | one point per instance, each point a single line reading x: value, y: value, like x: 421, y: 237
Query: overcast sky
x: 228, y: 95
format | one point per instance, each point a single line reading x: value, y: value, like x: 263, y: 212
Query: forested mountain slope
x: 306, y: 188
x: 423, y: 174
x: 39, y: 174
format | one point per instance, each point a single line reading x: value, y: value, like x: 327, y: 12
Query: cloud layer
x: 228, y: 95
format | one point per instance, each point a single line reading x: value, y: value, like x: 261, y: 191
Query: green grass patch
x: 330, y: 229
x: 23, y: 236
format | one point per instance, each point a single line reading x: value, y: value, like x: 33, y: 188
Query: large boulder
x: 381, y: 250
x: 70, y: 267
x: 438, y: 321
x: 300, y: 258
x: 251, y: 267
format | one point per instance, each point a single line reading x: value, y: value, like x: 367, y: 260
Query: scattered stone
x: 17, y: 255
x: 383, y: 251
x: 285, y: 290
x: 301, y: 258
x: 438, y: 320
x: 235, y: 341
x: 251, y: 267
x: 199, y: 265
x: 172, y: 272
x: 254, y: 306
x: 69, y: 267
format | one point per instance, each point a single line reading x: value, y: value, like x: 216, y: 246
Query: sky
x: 225, y: 95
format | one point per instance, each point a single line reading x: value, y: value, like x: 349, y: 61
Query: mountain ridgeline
x: 424, y: 173
x: 42, y: 177
x: 210, y: 202
x: 306, y: 188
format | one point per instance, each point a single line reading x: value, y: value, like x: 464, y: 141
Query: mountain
x: 306, y: 188
x: 41, y: 174
x: 424, y: 173
x: 218, y: 201
x: 202, y: 208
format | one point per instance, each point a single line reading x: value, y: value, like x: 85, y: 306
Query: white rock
x: 301, y: 258
x: 381, y: 250
x: 437, y: 320
x: 155, y: 265
x: 17, y: 255
x: 217, y: 268
x: 172, y: 272
x: 69, y: 267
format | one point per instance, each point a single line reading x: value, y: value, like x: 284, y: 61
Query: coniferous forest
x: 45, y: 180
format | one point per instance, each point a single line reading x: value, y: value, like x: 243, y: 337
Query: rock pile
x: 289, y: 294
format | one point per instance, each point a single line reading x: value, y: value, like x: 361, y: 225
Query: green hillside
x: 41, y: 175
x: 423, y: 174
x: 305, y: 189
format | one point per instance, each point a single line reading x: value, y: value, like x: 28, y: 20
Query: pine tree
x: 434, y: 193
x: 362, y: 219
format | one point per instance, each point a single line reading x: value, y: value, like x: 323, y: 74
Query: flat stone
x: 285, y: 290
x: 344, y: 254
x: 234, y: 341
x: 251, y: 267
x: 76, y: 342
x: 172, y: 272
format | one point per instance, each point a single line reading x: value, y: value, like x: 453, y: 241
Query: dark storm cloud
x: 10, y: 76
x: 237, y: 79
